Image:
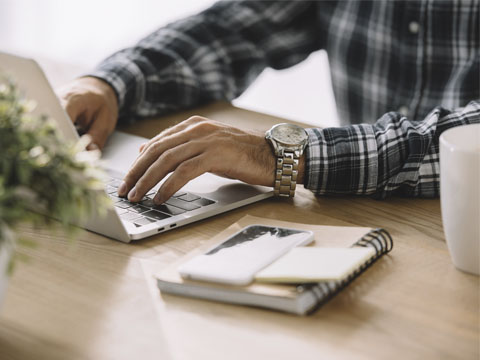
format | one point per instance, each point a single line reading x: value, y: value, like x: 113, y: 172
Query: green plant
x: 42, y: 177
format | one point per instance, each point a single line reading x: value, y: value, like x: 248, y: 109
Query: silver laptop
x: 202, y: 197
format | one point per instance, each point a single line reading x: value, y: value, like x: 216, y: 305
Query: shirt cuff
x: 126, y: 79
x: 342, y: 160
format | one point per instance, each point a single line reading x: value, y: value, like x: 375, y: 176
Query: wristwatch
x: 288, y: 142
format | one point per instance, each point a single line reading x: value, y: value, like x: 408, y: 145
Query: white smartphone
x: 236, y: 260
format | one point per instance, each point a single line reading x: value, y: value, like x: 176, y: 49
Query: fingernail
x: 122, y: 189
x: 131, y: 194
x: 93, y: 146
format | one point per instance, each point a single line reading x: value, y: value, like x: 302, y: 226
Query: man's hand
x: 92, y: 105
x: 193, y: 147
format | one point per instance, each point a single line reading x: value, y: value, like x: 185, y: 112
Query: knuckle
x: 195, y: 119
x: 72, y: 100
x: 154, y: 148
x: 67, y: 93
x: 147, y: 146
x: 205, y: 127
x: 69, y: 108
x: 168, y: 156
x: 99, y: 98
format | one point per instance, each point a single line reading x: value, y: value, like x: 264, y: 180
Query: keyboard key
x: 124, y: 204
x: 169, y: 209
x: 138, y: 209
x: 115, y: 197
x: 203, y: 202
x: 110, y: 189
x: 148, y: 203
x: 115, y: 183
x: 185, y: 205
x: 189, y: 197
x: 129, y: 216
x: 145, y: 198
x: 156, y: 215
x: 180, y: 193
x: 143, y: 221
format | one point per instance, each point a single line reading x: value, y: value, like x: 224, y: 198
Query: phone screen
x: 238, y: 258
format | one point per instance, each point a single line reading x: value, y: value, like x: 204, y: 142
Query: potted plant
x: 42, y: 177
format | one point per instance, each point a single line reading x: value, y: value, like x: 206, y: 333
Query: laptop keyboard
x: 146, y: 212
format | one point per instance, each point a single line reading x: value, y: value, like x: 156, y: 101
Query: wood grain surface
x: 90, y: 299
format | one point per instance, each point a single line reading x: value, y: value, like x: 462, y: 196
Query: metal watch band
x: 286, y: 175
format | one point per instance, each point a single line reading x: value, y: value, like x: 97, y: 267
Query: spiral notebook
x: 293, y: 298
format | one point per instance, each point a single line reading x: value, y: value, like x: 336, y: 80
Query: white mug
x: 460, y: 195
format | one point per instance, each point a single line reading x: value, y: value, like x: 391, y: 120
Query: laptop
x: 205, y: 196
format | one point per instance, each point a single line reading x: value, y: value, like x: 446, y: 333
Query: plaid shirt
x: 402, y: 73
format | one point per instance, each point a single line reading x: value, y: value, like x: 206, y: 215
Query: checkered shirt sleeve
x: 394, y: 156
x: 404, y: 71
x: 213, y: 55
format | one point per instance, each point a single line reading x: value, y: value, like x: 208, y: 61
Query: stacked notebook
x: 278, y: 291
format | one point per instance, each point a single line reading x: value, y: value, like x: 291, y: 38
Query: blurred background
x: 70, y: 37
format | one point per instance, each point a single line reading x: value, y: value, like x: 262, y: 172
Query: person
x: 402, y: 72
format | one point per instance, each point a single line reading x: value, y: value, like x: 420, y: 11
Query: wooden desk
x: 90, y: 300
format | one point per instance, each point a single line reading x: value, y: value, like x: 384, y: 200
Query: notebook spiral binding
x: 379, y: 239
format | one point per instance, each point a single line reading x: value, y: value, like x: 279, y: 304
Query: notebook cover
x: 325, y: 236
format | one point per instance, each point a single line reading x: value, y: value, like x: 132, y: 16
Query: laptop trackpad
x: 121, y: 151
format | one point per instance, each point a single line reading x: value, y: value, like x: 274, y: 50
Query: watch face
x: 289, y: 134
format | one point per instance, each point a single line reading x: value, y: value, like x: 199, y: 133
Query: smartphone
x: 237, y: 259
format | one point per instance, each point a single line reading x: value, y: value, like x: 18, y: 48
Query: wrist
x: 288, y: 142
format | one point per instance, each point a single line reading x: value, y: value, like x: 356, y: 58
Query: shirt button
x: 403, y: 110
x: 413, y: 27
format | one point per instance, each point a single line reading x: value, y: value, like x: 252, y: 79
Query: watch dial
x: 289, y: 134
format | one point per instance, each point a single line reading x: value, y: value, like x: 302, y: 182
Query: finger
x: 148, y: 157
x: 101, y: 127
x: 166, y: 133
x: 92, y: 146
x: 73, y: 108
x: 164, y: 164
x: 186, y: 171
x: 173, y: 130
x: 80, y: 111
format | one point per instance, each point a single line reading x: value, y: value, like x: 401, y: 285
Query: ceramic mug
x: 460, y: 195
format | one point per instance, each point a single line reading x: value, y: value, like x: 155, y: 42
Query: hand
x: 92, y: 105
x: 193, y: 147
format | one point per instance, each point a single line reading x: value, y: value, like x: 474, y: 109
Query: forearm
x: 214, y: 55
x: 394, y: 156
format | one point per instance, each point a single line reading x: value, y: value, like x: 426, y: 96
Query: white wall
x: 81, y: 33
